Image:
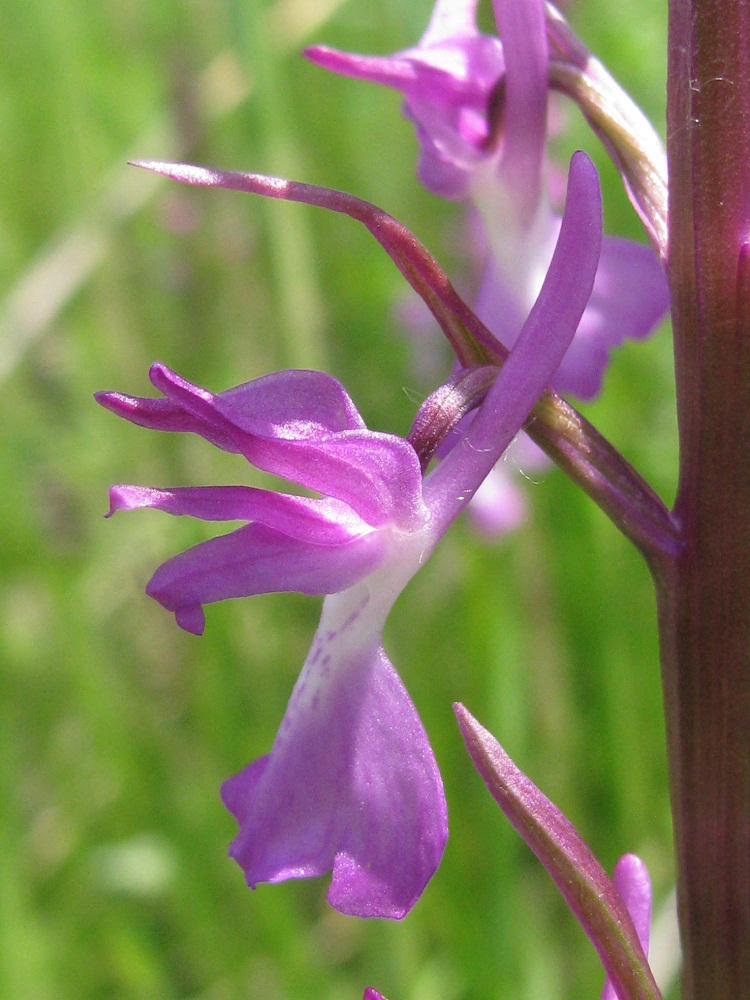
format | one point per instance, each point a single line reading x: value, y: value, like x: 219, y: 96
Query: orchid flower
x: 479, y: 106
x: 351, y: 784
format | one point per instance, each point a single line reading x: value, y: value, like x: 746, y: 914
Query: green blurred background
x: 117, y: 729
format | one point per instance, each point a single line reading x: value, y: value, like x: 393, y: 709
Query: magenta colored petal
x: 452, y: 64
x: 396, y: 71
x: 294, y: 402
x: 325, y: 522
x: 554, y: 317
x: 351, y: 785
x: 630, y: 298
x: 164, y: 415
x: 256, y: 559
x: 535, y: 357
x: 289, y: 404
x: 372, y: 994
x: 523, y: 33
x: 632, y: 881
x: 446, y: 81
x: 304, y: 427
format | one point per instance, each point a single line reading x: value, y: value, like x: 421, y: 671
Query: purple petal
x: 351, y: 785
x: 257, y: 559
x: 629, y: 299
x: 372, y: 994
x: 446, y: 80
x: 631, y: 880
x: 523, y: 32
x: 537, y: 354
x: 295, y: 405
x: 554, y: 317
x: 164, y: 415
x: 325, y: 522
x: 397, y: 71
x: 304, y: 427
x: 302, y: 403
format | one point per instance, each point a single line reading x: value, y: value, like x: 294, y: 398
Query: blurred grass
x: 117, y: 728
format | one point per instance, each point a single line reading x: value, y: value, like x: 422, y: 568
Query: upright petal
x: 523, y: 33
x: 535, y: 357
x: 351, y: 784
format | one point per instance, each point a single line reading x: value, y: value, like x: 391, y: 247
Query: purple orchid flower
x: 480, y: 112
x: 448, y: 80
x: 351, y: 784
x: 479, y: 108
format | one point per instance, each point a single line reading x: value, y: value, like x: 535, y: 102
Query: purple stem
x: 704, y: 594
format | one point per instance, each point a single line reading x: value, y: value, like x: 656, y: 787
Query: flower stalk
x: 704, y: 599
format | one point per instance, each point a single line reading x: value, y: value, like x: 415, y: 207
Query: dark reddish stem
x: 704, y: 593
